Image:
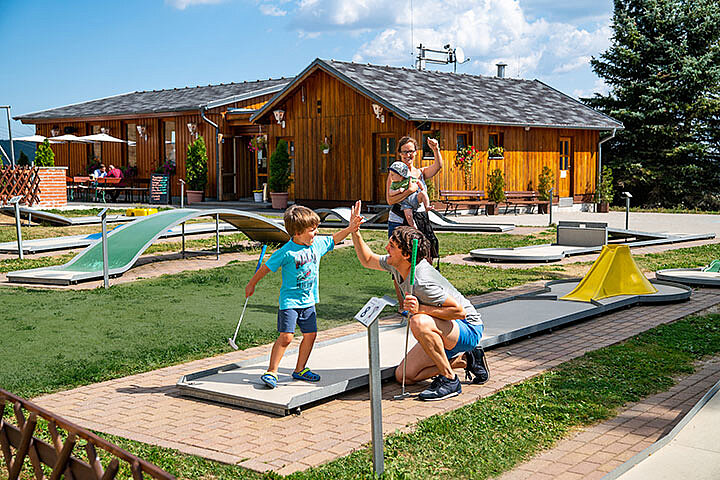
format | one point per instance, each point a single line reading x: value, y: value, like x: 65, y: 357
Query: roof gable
x: 423, y: 95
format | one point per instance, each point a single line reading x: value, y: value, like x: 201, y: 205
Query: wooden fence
x: 19, y: 443
x: 24, y: 181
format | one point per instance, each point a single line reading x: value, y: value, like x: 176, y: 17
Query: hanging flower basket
x: 258, y: 142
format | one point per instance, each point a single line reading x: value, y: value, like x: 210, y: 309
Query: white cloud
x: 598, y: 87
x: 183, y: 4
x: 488, y: 30
x: 272, y: 10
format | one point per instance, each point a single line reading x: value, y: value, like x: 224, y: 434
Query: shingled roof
x: 157, y: 101
x: 423, y: 95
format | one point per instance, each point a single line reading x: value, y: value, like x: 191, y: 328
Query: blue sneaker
x: 307, y: 375
x: 441, y: 388
x: 270, y: 379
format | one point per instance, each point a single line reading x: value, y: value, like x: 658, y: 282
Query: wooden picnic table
x: 453, y: 199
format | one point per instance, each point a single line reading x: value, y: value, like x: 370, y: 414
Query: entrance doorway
x: 384, y: 156
x: 565, y: 165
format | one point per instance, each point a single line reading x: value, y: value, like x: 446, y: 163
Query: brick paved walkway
x: 148, y: 408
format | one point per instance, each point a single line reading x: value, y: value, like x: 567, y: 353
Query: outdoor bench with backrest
x: 452, y: 199
x: 517, y: 198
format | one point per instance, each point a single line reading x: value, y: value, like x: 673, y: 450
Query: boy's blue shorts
x: 470, y: 336
x: 305, y: 318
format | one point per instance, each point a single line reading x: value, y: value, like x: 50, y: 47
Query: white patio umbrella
x: 68, y: 137
x: 33, y: 138
x: 101, y: 137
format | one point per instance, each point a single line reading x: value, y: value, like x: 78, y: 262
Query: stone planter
x: 603, y: 207
x: 491, y: 209
x: 279, y: 200
x: 194, y: 196
x: 542, y: 208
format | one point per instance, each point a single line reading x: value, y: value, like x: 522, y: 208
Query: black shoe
x: 476, y: 370
x: 441, y: 388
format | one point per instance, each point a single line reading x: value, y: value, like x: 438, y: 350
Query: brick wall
x: 53, y: 187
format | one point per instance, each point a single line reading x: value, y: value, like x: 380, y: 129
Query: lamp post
x: 627, y: 209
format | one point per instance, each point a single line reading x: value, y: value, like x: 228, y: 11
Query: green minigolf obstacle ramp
x: 127, y: 242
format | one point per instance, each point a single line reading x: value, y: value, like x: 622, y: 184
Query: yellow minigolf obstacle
x: 613, y: 273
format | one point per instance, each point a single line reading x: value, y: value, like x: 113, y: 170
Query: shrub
x: 545, y: 182
x: 23, y: 160
x: 605, y: 189
x: 196, y: 165
x: 44, y: 156
x: 496, y: 186
x: 279, y: 180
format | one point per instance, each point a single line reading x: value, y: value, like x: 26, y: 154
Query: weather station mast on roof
x: 443, y: 57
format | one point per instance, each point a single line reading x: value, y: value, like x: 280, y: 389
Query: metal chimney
x: 501, y: 69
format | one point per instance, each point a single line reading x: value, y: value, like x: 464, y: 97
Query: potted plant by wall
x: 44, y: 156
x: 196, y: 170
x: 496, y: 152
x: 279, y: 179
x: 605, y: 190
x: 545, y: 183
x: 495, y: 191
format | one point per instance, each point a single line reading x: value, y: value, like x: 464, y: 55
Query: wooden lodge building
x: 360, y: 112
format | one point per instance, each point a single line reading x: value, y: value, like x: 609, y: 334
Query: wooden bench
x: 519, y: 198
x: 452, y: 199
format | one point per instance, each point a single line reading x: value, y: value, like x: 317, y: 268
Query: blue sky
x: 63, y: 52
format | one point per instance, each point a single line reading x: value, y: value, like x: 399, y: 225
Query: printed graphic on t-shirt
x: 305, y: 261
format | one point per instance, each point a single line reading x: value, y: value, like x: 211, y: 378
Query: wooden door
x: 291, y: 154
x: 564, y: 176
x: 385, y: 155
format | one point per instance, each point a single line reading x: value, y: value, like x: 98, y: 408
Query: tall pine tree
x: 663, y: 70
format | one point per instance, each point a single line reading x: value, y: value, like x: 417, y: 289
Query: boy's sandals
x: 307, y: 375
x: 270, y: 379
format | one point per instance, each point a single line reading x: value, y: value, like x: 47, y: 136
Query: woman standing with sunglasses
x: 407, y: 149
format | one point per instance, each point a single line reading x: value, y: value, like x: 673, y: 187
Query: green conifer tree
x: 663, y: 70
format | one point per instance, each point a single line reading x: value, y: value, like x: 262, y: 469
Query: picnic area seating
x: 518, y: 198
x: 107, y: 188
x: 453, y: 199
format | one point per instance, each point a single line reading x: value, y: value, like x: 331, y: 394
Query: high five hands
x: 433, y: 143
x: 355, y: 218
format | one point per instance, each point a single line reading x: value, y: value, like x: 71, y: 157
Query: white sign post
x: 368, y: 317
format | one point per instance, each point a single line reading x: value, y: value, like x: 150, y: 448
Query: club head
x: 232, y: 344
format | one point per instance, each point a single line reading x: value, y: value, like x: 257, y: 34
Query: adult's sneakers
x: 441, y: 388
x: 476, y: 369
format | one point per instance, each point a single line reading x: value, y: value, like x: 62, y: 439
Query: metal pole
x: 217, y: 236
x: 106, y: 274
x: 182, y: 205
x: 16, y: 203
x: 627, y: 209
x: 550, y: 207
x: 376, y: 397
x: 12, y: 146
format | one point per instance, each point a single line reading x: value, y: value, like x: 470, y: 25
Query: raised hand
x: 355, y: 218
x: 433, y: 143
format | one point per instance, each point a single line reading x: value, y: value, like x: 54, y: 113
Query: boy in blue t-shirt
x: 300, y: 261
